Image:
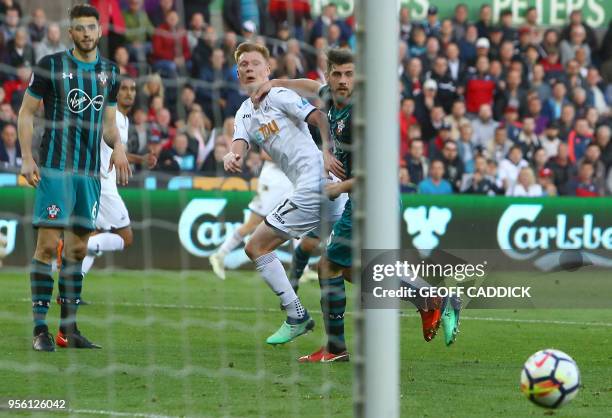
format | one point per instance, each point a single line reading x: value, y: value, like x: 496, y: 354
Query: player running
x: 113, y: 219
x: 273, y: 187
x: 78, y: 89
x: 279, y: 127
x: 334, y: 266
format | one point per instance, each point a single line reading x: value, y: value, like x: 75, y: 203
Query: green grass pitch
x: 191, y: 345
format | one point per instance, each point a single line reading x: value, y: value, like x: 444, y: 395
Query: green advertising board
x: 597, y: 13
x: 180, y: 229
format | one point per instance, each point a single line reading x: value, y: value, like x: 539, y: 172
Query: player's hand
x: 232, y: 163
x: 333, y: 165
x: 151, y: 160
x: 30, y: 171
x: 261, y: 92
x: 120, y: 162
x: 333, y: 190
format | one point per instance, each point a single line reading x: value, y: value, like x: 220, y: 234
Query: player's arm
x: 25, y: 128
x: 318, y: 119
x: 232, y: 161
x: 333, y: 190
x: 302, y: 86
x: 113, y: 140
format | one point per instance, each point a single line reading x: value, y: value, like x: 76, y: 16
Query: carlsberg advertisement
x: 178, y: 230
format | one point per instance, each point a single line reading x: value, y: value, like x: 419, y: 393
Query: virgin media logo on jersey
x: 78, y: 101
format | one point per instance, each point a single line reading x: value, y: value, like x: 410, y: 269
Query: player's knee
x: 128, y: 238
x: 251, y: 250
x: 308, y: 245
x: 46, y: 251
x: 76, y: 252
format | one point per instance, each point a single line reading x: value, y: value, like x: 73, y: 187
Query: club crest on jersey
x: 53, y: 211
x: 103, y: 77
x: 78, y: 101
x: 340, y: 126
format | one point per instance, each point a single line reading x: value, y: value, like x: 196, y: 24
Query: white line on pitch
x: 118, y: 414
x: 250, y: 309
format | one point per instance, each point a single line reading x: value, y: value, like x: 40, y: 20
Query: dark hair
x: 84, y: 10
x: 506, y: 12
x: 339, y: 56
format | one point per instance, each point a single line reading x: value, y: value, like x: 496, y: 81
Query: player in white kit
x: 113, y: 220
x: 273, y: 186
x: 279, y: 127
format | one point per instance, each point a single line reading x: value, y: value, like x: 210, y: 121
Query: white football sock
x: 231, y: 242
x: 106, y: 241
x: 274, y: 274
x: 88, y: 263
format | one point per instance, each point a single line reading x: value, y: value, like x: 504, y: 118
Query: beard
x: 85, y: 50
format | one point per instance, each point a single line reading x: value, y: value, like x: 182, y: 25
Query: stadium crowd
x: 486, y: 107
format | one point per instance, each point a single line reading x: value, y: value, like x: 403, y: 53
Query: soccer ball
x: 550, y: 378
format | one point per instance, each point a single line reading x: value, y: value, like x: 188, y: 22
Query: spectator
x: 159, y: 15
x: 528, y: 140
x: 446, y: 34
x: 510, y: 167
x: 153, y: 87
x: 512, y: 124
x: 539, y: 160
x: 583, y: 185
x: 19, y: 50
x: 416, y: 46
x: 122, y: 58
x: 111, y: 24
x: 412, y: 81
x: 435, y: 183
x: 456, y: 118
x: 480, y: 86
x: 138, y: 143
x: 249, y: 30
x: 425, y: 102
x: 198, y: 131
x: 595, y: 91
x: 171, y: 51
x: 324, y: 23
x: 480, y: 181
x: 572, y: 77
x: 505, y: 20
x: 566, y: 122
x: 406, y: 119
x: 5, y: 5
x: 416, y: 162
x: 534, y: 110
x: 51, y: 44
x: 532, y: 22
x: 484, y: 127
x: 500, y: 147
x: 460, y: 21
x: 432, y: 125
x: 467, y: 45
x: 200, y: 56
x: 318, y: 73
x: 10, y: 153
x: 552, y: 107
x: 405, y: 24
x: 466, y: 147
x: 164, y: 124
x: 576, y: 20
x: 182, y: 153
x: 196, y: 29
x: 12, y: 17
x: 14, y: 89
x: 550, y: 140
x: 187, y: 103
x: 602, y: 139
x: 562, y: 167
x: 453, y: 166
x: 510, y: 94
x: 37, y: 28
x: 432, y: 24
x: 552, y: 64
x: 484, y: 21
x: 579, y: 139
x: 213, y: 165
x: 138, y: 30
x: 446, y: 87
x: 442, y: 135
x: 593, y: 155
x: 296, y: 11
x: 545, y: 180
x: 456, y: 66
x: 213, y: 96
x: 525, y: 185
x: 432, y: 51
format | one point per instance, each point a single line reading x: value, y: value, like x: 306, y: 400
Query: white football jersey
x: 123, y: 124
x: 278, y: 126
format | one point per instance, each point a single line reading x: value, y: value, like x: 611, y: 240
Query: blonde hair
x: 251, y: 47
x: 156, y: 78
